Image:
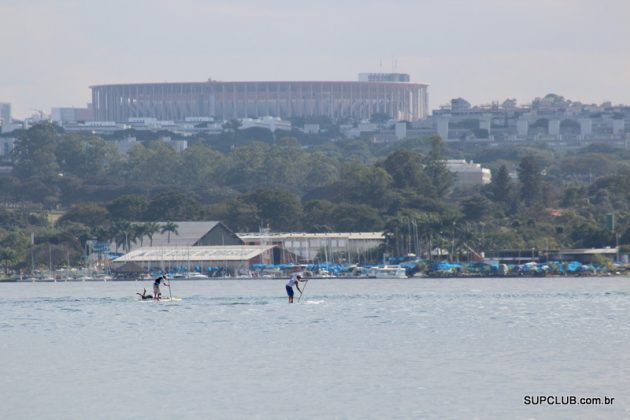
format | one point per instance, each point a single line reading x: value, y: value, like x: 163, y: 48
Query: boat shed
x: 205, y: 233
x: 307, y: 246
x: 231, y: 258
x: 583, y: 255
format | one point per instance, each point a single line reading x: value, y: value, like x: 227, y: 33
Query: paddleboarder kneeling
x: 156, y: 287
x: 144, y: 295
x: 295, y: 278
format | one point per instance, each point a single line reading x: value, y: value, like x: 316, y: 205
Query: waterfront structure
x: 310, y: 247
x: 394, y: 96
x: 190, y: 234
x: 521, y: 256
x: 233, y: 259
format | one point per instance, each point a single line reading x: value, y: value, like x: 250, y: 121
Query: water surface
x: 421, y: 348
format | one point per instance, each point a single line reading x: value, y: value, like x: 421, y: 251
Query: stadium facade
x: 399, y: 99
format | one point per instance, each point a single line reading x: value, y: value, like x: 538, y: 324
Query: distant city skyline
x: 483, y: 51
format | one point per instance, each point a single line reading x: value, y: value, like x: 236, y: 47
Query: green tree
x: 169, y: 227
x: 475, y: 208
x: 441, y: 179
x: 237, y: 214
x: 276, y: 207
x: 319, y: 171
x: 530, y: 178
x: 34, y: 155
x: 363, y: 184
x: 150, y: 229
x: 155, y: 164
x: 124, y: 234
x: 587, y: 233
x: 8, y: 258
x: 317, y: 216
x: 174, y: 205
x: 89, y: 214
x: 349, y: 217
x: 202, y: 166
x: 501, y: 186
x: 406, y: 169
x: 128, y: 207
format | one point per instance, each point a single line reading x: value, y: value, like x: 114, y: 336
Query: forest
x: 61, y: 190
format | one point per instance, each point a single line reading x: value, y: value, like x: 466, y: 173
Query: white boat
x: 191, y: 275
x: 388, y: 272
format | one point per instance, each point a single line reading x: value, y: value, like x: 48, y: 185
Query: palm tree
x: 117, y: 233
x: 141, y: 232
x: 8, y: 256
x: 150, y: 229
x: 169, y: 227
x: 124, y: 233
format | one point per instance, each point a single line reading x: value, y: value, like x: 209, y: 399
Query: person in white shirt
x: 294, y: 280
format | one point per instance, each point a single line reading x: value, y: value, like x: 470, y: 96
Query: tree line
x: 538, y: 198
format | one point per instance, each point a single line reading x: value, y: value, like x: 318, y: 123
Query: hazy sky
x: 482, y: 50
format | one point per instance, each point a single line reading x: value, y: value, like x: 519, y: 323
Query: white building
x: 64, y: 116
x: 178, y: 145
x: 554, y: 128
x: 522, y: 126
x: 586, y: 126
x: 441, y: 126
x: 270, y: 123
x: 311, y: 129
x: 468, y: 174
x: 308, y: 246
x: 5, y: 113
x: 7, y: 145
x: 400, y: 130
x: 234, y: 259
x: 96, y: 127
x: 618, y: 126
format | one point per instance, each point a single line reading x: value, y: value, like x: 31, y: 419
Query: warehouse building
x: 229, y: 260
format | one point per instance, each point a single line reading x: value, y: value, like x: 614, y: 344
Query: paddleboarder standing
x: 156, y: 287
x: 293, y: 281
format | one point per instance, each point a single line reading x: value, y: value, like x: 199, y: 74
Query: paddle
x: 169, y: 289
x: 302, y: 292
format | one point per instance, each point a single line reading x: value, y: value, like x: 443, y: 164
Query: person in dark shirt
x: 156, y: 287
x: 144, y: 296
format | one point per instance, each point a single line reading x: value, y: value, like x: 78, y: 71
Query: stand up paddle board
x: 165, y: 299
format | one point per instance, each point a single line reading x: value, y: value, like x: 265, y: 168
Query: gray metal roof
x: 188, y: 233
x: 305, y: 235
x: 195, y: 253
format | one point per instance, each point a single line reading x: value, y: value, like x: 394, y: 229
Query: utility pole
x: 453, y: 245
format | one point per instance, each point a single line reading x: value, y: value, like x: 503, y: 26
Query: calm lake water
x: 421, y: 348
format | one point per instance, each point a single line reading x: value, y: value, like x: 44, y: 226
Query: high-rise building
x: 5, y: 113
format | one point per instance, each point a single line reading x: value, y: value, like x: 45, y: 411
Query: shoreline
x: 343, y: 278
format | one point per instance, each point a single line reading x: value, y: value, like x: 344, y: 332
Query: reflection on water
x: 352, y: 349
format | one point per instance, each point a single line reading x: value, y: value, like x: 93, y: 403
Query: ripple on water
x: 232, y: 349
